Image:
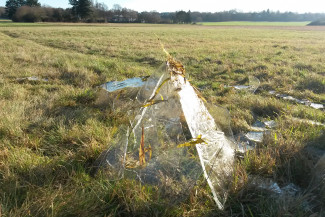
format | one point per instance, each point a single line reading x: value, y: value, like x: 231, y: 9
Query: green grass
x: 52, y: 132
x: 249, y: 23
x: 9, y: 23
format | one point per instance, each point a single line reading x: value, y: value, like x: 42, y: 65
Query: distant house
x: 122, y: 19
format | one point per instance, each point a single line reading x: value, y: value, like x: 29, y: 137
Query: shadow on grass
x: 302, y: 170
x: 150, y: 61
x: 313, y: 83
x: 63, y: 187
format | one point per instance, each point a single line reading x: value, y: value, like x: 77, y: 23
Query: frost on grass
x: 171, y: 137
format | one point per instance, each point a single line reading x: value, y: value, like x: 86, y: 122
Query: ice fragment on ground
x: 308, y: 121
x: 255, y: 136
x: 290, y: 189
x: 261, y: 126
x: 266, y: 184
x: 32, y: 78
x: 304, y: 101
x: 281, y: 95
x: 270, y: 185
x: 270, y: 124
x: 254, y: 83
x: 244, y: 144
x: 300, y: 101
x: 290, y: 98
x: 258, y: 126
x: 317, y: 106
x: 241, y: 87
x: 117, y: 85
x: 243, y: 147
x: 258, y: 129
x: 275, y: 188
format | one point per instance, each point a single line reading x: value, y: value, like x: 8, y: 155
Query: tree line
x: 93, y: 11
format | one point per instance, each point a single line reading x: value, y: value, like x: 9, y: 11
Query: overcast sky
x: 300, y: 6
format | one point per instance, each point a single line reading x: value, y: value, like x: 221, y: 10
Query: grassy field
x: 52, y: 132
x: 248, y: 23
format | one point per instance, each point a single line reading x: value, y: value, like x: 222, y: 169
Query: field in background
x: 5, y: 20
x: 248, y: 23
x: 51, y: 132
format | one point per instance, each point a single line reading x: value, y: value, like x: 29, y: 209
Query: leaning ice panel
x: 217, y: 152
x: 171, y: 138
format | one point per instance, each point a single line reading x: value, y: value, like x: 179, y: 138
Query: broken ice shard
x: 255, y: 136
x: 317, y: 106
x: 32, y: 79
x: 303, y: 101
x: 117, y: 85
x: 254, y: 83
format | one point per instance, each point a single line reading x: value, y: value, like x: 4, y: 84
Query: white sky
x: 300, y: 6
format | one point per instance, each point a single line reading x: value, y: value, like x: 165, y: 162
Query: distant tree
x: 123, y: 15
x: 67, y: 15
x: 117, y: 7
x: 58, y: 14
x: 2, y: 12
x: 32, y: 3
x: 12, y: 6
x: 29, y: 14
x: 167, y: 17
x: 100, y: 12
x: 82, y: 9
x: 100, y: 6
x: 196, y: 17
x: 129, y: 15
x: 117, y: 10
x: 182, y: 17
x: 188, y: 17
x: 149, y: 17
